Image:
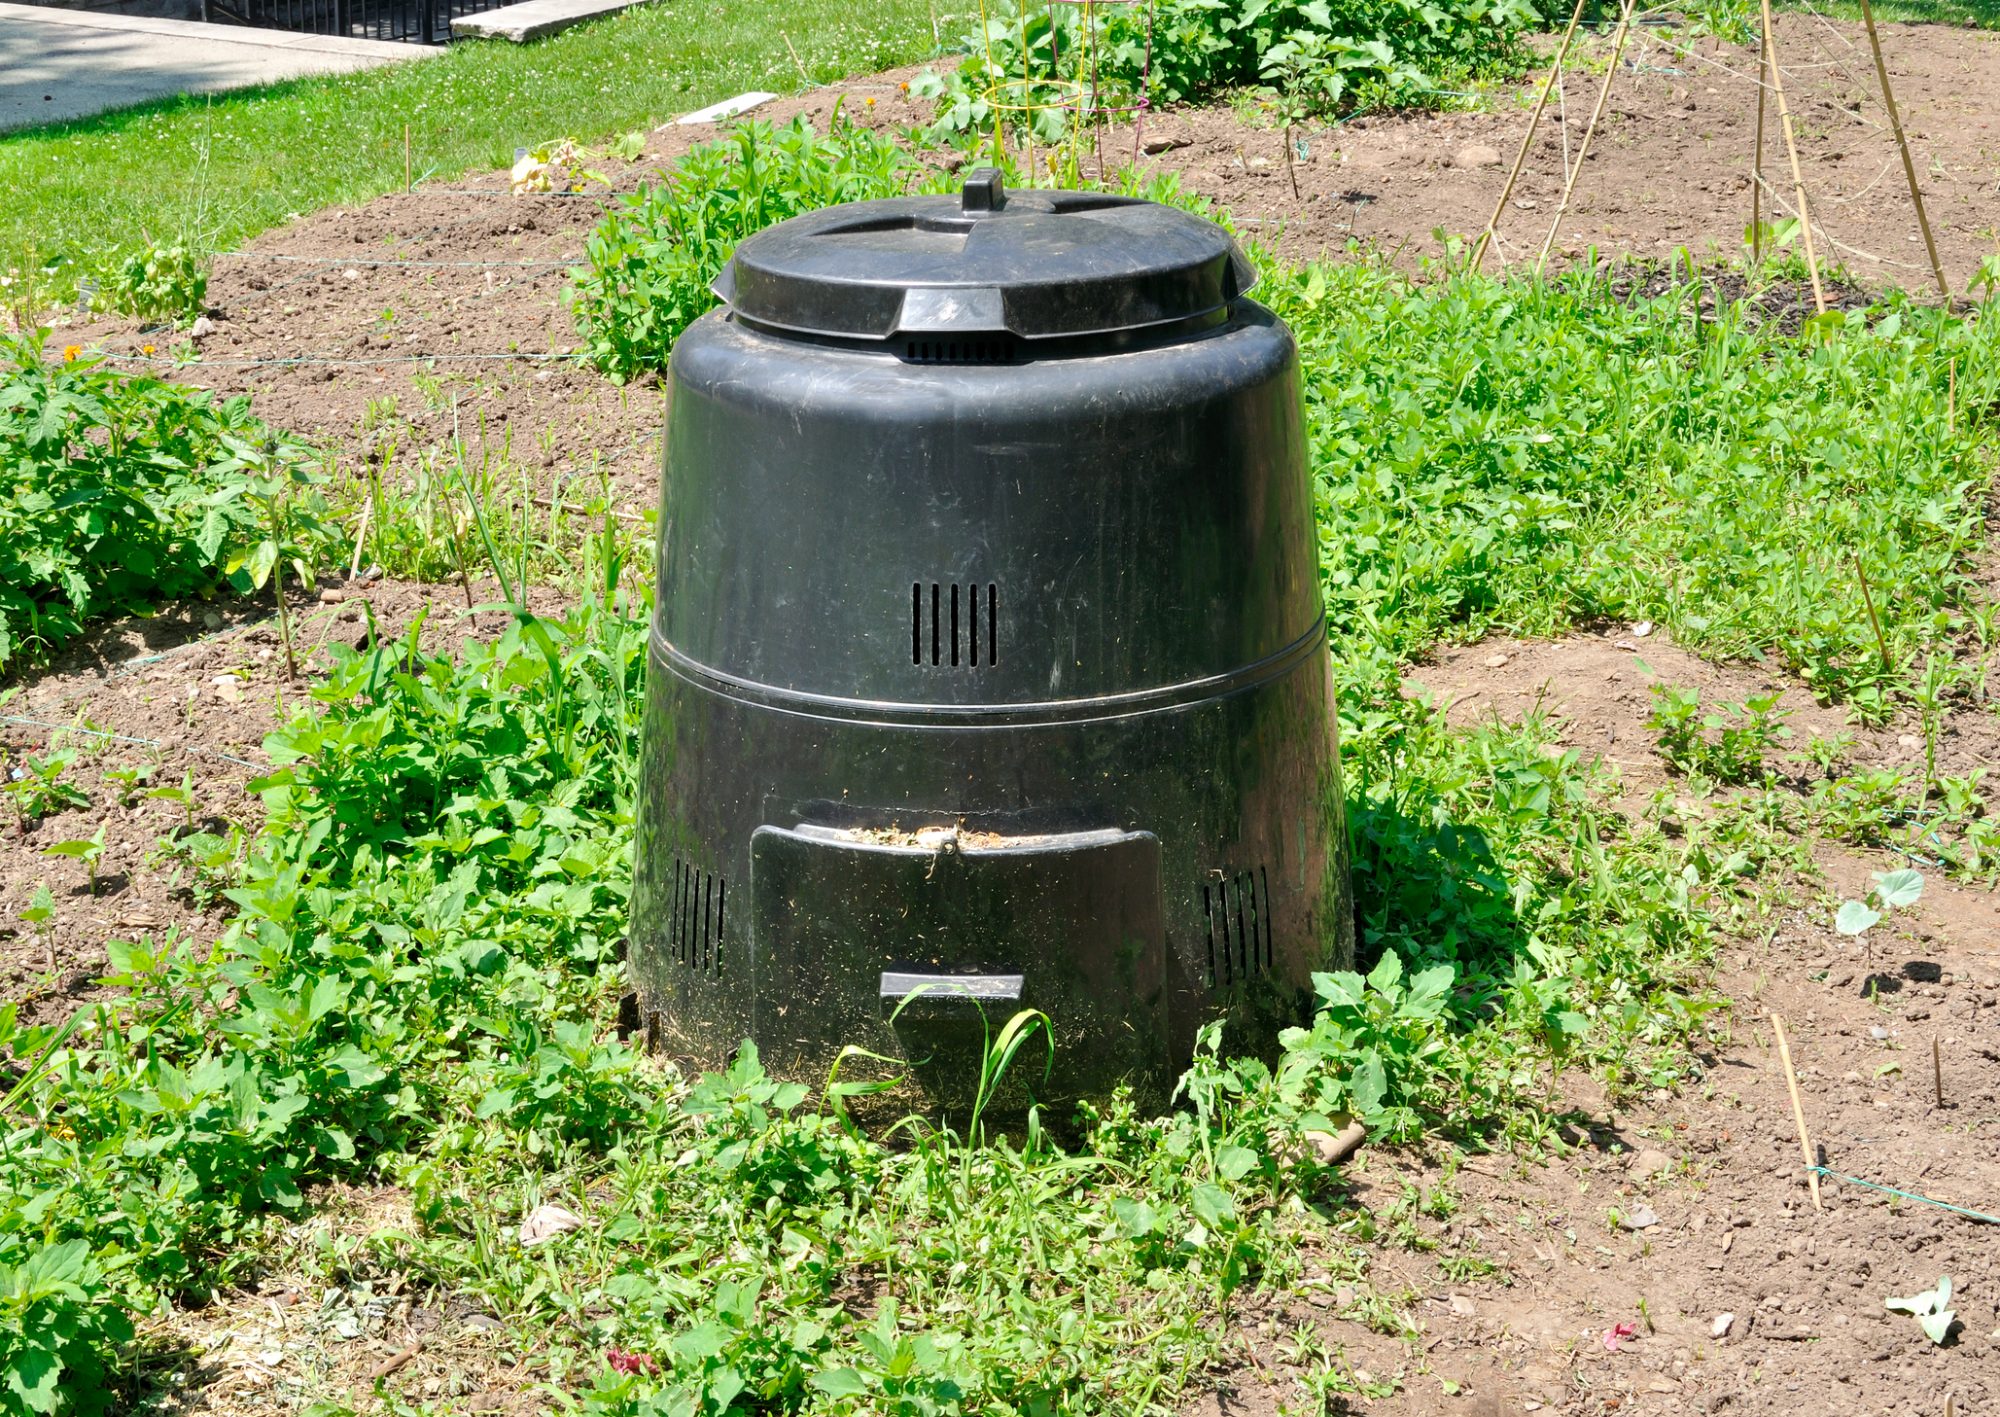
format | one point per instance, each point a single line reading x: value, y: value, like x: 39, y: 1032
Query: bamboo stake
x: 1528, y: 138
x: 1792, y: 151
x: 1757, y: 155
x: 1583, y: 149
x: 1798, y: 1109
x: 1937, y: 1070
x: 1868, y: 600
x: 1903, y: 146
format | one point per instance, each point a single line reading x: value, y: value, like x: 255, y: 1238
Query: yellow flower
x: 147, y: 348
x: 70, y: 352
x: 869, y: 101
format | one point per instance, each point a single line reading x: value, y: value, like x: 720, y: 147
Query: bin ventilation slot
x: 954, y: 626
x: 1238, y: 908
x: 695, y: 926
x: 958, y: 351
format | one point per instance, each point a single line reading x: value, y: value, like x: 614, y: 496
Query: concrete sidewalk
x: 57, y: 64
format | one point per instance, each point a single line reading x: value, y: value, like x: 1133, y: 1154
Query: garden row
x: 417, y: 984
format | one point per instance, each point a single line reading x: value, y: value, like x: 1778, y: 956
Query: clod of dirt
x: 1476, y: 155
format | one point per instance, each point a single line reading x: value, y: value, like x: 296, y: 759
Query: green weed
x: 114, y: 492
x: 648, y: 265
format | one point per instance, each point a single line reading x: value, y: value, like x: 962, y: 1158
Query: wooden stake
x: 1583, y: 149
x: 1798, y: 1109
x: 1937, y: 1070
x: 1881, y: 645
x: 1903, y: 146
x: 1528, y: 138
x: 1757, y: 155
x: 1792, y: 151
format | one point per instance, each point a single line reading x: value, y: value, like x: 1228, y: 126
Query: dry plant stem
x: 577, y: 511
x: 1757, y: 155
x: 1590, y: 128
x: 458, y: 555
x: 1937, y: 1070
x: 1792, y: 151
x: 1291, y: 171
x: 284, y: 618
x: 361, y: 537
x: 1903, y: 146
x: 1798, y: 1109
x: 1528, y: 137
x: 1874, y: 620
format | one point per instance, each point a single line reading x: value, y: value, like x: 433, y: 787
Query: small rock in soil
x: 1647, y: 1162
x: 1495, y: 661
x: 1640, y: 1217
x: 1476, y: 155
x: 1719, y: 1327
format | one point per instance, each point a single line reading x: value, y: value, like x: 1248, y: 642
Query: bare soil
x: 386, y: 362
x: 1719, y: 1165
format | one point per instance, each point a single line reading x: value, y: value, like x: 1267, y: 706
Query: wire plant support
x: 1081, y: 97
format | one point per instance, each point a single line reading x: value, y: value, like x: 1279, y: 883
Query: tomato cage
x: 1079, y: 96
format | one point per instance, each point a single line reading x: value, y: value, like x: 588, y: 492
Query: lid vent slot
x: 989, y: 350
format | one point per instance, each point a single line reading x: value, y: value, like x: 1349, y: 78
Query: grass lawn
x: 211, y: 171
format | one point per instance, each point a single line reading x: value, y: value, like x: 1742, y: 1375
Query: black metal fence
x: 414, y: 21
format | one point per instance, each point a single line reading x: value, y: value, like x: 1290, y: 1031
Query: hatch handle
x: 983, y: 191
x: 935, y: 995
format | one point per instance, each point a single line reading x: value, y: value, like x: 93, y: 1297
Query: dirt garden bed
x: 388, y: 331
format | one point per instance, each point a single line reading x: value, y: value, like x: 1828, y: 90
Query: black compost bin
x: 989, y: 667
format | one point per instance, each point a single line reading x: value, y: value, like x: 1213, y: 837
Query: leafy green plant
x: 88, y: 850
x: 181, y: 793
x: 157, y: 284
x: 1892, y: 891
x: 1729, y: 745
x: 1024, y: 63
x: 1369, y: 1044
x: 39, y: 915
x: 59, y: 1322
x: 128, y: 781
x: 1931, y: 1309
x: 105, y: 486
x: 277, y: 480
x: 649, y: 264
x: 37, y: 786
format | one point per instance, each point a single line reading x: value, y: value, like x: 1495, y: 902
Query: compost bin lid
x: 1035, y: 264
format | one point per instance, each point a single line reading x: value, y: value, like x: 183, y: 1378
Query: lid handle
x: 983, y: 191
